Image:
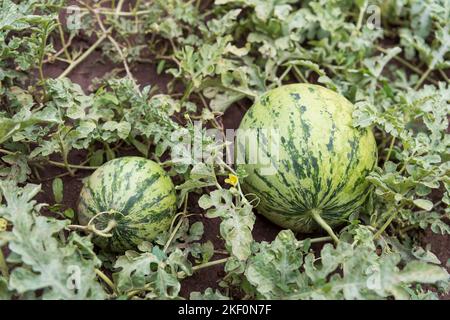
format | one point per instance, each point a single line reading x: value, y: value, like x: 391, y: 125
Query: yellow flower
x: 3, y: 224
x: 232, y: 179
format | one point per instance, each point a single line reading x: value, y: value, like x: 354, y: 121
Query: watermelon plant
x: 121, y: 175
x: 322, y: 161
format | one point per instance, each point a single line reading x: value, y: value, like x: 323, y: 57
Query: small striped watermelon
x: 319, y: 165
x: 140, y: 195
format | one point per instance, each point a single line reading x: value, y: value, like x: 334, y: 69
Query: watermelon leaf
x: 60, y: 268
x: 276, y: 272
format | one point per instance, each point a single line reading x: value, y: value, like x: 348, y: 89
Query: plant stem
x: 91, y: 228
x: 41, y: 58
x: 244, y: 92
x: 172, y: 235
x: 66, y: 164
x: 299, y: 74
x: 406, y: 64
x: 222, y: 252
x: 56, y: 56
x: 422, y: 79
x: 444, y: 75
x: 182, y: 274
x: 135, y: 9
x: 315, y: 214
x: 114, y: 42
x: 391, y: 146
x: 132, y: 293
x: 401, y: 60
x: 188, y: 91
x: 319, y: 239
x: 360, y: 17
x: 119, y: 7
x: 392, y: 216
x: 62, y: 174
x: 58, y: 59
x: 407, y: 228
x: 63, y: 42
x: 105, y: 278
x: 209, y: 264
x: 77, y: 227
x: 86, y: 54
x: 109, y: 12
x: 58, y: 164
x: 64, y: 154
x: 3, y: 266
x: 175, y: 230
x: 283, y: 75
x: 73, y: 166
x: 36, y: 173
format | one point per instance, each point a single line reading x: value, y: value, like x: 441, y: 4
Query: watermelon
x: 133, y: 193
x: 310, y: 165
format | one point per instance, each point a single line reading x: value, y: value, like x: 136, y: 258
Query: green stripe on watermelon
x: 140, y: 196
x: 322, y: 161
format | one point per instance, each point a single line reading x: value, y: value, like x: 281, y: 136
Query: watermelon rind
x: 133, y: 192
x: 317, y: 166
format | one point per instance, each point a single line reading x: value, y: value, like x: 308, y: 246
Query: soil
x: 93, y: 68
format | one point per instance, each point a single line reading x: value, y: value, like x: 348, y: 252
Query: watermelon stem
x: 90, y: 227
x: 105, y: 278
x: 182, y: 216
x: 315, y: 214
x: 64, y: 154
x: 391, y: 146
x: 175, y: 230
x: 208, y: 264
x: 392, y: 216
x: 105, y: 232
x: 3, y: 266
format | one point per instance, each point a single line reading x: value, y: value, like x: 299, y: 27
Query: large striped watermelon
x: 320, y: 163
x: 140, y: 195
